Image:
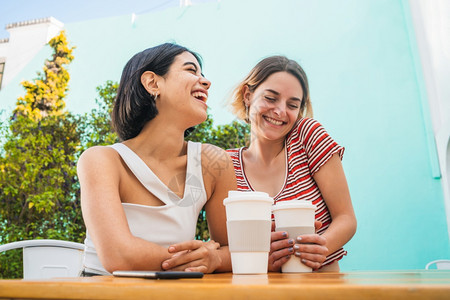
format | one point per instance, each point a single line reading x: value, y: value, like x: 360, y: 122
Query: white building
x: 25, y: 40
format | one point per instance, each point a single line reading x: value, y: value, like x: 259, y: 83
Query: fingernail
x: 291, y: 249
x: 164, y: 265
x: 296, y: 247
x: 297, y: 253
x: 303, y: 260
x: 171, y: 249
x: 284, y: 234
x: 288, y: 256
x: 291, y: 241
x: 299, y: 238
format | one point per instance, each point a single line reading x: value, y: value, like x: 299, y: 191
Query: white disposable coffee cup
x: 297, y: 218
x: 248, y: 226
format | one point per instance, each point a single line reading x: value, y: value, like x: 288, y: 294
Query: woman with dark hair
x: 291, y: 157
x: 141, y: 198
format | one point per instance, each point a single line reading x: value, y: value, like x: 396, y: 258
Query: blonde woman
x: 291, y: 156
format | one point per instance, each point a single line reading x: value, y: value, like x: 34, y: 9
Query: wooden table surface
x: 431, y: 284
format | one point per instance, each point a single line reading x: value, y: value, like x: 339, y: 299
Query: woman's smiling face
x: 274, y: 106
x: 184, y: 89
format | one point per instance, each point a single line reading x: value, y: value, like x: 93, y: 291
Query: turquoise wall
x: 365, y: 86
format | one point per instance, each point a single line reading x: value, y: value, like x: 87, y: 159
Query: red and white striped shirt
x: 308, y: 147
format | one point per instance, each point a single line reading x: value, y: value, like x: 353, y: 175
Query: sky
x: 68, y: 11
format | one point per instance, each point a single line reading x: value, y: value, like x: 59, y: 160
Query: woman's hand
x: 282, y: 247
x: 311, y: 248
x: 193, y: 256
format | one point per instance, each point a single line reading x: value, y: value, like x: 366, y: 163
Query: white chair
x: 49, y: 258
x: 441, y: 264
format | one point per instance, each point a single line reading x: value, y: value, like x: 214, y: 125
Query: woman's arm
x: 224, y: 181
x: 332, y: 183
x: 99, y: 173
x: 219, y: 178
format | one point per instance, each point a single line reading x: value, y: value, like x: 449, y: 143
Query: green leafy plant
x: 38, y: 185
x: 97, y: 127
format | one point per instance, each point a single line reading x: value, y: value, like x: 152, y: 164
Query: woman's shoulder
x: 97, y: 156
x: 213, y: 153
x: 306, y: 123
x: 234, y: 152
x: 303, y: 127
x: 218, y: 171
x: 216, y: 161
x: 98, y: 151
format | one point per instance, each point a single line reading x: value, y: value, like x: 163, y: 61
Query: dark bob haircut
x: 134, y: 106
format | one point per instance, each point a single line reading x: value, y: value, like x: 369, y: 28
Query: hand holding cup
x: 297, y: 218
x: 311, y: 250
x: 282, y: 247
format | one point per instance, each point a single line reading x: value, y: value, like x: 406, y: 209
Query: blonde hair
x: 260, y: 73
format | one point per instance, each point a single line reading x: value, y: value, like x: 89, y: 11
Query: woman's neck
x: 264, y: 151
x: 158, y: 140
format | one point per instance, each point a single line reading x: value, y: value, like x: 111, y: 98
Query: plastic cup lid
x: 293, y: 204
x: 250, y: 195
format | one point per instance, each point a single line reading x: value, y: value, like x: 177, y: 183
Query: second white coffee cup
x: 297, y: 218
x: 248, y: 226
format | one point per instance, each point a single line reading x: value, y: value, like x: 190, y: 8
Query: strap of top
x: 194, y: 188
x: 142, y: 172
x: 194, y: 191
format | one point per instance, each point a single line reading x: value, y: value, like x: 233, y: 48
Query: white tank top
x: 164, y: 225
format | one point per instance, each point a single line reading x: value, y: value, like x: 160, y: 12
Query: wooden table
x: 431, y: 284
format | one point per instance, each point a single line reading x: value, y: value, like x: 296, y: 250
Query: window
x: 2, y: 68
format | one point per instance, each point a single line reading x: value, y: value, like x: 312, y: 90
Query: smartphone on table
x: 158, y: 274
